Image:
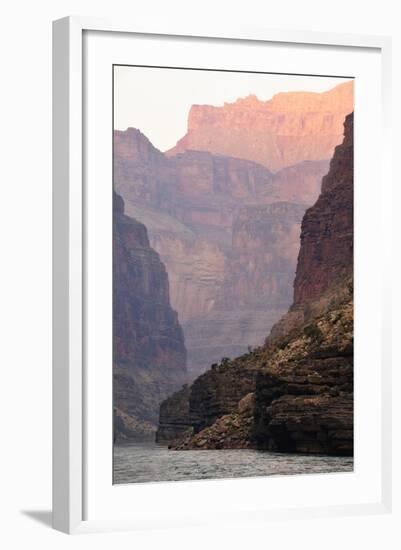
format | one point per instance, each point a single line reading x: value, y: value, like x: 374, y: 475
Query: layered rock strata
x: 304, y: 394
x: 289, y: 128
x: 301, y: 396
x: 257, y: 287
x: 325, y: 260
x: 197, y: 208
x: 212, y: 395
x: 149, y: 356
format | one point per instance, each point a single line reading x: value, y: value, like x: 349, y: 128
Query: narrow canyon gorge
x: 294, y: 393
x: 223, y: 209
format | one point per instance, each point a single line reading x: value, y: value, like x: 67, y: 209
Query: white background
x: 25, y: 302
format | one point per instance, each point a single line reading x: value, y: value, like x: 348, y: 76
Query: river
x: 144, y: 462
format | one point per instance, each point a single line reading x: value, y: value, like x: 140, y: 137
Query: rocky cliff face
x: 257, y: 286
x: 304, y: 402
x: 149, y: 357
x: 192, y: 205
x: 174, y: 424
x: 215, y: 394
x: 304, y: 394
x: 325, y: 260
x: 187, y: 204
x: 290, y: 128
x: 300, y: 183
x: 326, y: 254
x: 300, y: 400
x: 301, y: 396
x: 261, y: 263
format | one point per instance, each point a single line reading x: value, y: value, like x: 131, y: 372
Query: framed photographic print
x: 219, y: 324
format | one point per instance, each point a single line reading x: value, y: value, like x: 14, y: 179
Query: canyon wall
x: 289, y: 128
x: 325, y: 260
x: 304, y: 398
x: 261, y: 263
x: 257, y: 286
x: 195, y: 206
x: 231, y: 257
x: 295, y: 393
x: 327, y: 236
x: 149, y: 356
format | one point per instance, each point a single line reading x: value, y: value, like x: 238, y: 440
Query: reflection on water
x: 142, y: 462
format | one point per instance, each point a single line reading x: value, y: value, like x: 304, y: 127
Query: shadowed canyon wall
x: 325, y: 261
x: 149, y: 356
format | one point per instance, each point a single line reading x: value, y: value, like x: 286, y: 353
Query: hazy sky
x: 157, y: 101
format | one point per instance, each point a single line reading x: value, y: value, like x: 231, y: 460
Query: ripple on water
x: 145, y: 462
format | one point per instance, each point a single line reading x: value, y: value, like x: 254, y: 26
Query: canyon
x: 149, y: 355
x: 226, y: 222
x: 294, y: 393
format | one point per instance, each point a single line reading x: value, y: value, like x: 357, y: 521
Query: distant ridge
x: 289, y: 128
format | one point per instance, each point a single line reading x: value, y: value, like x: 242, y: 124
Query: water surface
x: 144, y: 462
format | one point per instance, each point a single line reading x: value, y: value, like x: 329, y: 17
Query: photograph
x: 233, y: 232
x: 200, y: 268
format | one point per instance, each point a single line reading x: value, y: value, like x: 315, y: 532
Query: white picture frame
x: 70, y: 428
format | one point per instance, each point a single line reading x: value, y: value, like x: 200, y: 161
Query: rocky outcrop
x: 302, y: 379
x: 218, y: 391
x: 149, y: 356
x: 304, y: 394
x: 174, y: 424
x: 212, y: 395
x: 290, y: 128
x: 230, y: 431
